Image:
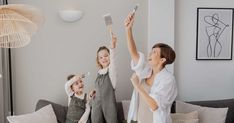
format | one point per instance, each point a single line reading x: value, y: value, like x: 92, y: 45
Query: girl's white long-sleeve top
x: 111, y: 68
x: 163, y: 91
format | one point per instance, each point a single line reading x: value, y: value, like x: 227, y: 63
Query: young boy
x: 78, y: 105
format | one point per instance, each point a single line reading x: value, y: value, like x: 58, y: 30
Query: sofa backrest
x: 61, y: 111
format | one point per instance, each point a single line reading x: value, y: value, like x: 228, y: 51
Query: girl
x: 104, y: 104
x: 154, y: 87
x: 78, y: 105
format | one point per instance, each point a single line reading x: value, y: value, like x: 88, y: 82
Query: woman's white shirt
x: 163, y: 91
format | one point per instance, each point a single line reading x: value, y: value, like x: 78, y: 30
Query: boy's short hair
x: 70, y: 76
x: 166, y: 52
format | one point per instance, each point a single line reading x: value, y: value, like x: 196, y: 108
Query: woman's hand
x: 81, y: 122
x: 113, y: 40
x: 128, y: 23
x: 135, y: 81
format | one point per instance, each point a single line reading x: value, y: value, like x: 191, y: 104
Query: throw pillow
x: 59, y: 110
x: 185, y: 116
x: 191, y: 117
x: 44, y: 115
x: 205, y: 114
x: 186, y: 121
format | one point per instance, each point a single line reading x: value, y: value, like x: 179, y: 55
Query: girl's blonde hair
x: 97, y: 60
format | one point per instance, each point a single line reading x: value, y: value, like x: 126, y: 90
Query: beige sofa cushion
x: 205, y: 114
x: 191, y: 117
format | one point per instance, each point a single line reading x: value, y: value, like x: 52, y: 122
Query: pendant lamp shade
x: 18, y: 23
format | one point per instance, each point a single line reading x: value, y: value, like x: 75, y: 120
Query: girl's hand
x: 92, y: 94
x: 128, y: 23
x: 113, y: 40
x: 135, y: 81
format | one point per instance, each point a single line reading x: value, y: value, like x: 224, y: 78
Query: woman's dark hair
x: 166, y: 52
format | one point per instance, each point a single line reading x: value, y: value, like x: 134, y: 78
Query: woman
x: 154, y: 87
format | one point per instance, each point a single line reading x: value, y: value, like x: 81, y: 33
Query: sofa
x: 60, y: 110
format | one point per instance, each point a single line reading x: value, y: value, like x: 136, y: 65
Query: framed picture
x: 214, y: 34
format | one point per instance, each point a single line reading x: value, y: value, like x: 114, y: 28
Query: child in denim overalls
x: 104, y: 103
x: 78, y: 106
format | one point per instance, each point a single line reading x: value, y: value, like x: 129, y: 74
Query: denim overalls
x: 104, y: 104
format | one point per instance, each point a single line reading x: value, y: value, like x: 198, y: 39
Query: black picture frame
x: 214, y: 39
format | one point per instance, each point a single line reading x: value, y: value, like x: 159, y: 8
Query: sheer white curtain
x: 1, y: 93
x: 6, y: 105
x: 6, y: 96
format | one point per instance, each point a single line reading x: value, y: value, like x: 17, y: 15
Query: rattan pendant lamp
x: 18, y: 23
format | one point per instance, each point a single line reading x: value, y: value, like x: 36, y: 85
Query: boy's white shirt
x: 111, y: 68
x: 69, y: 93
x: 163, y: 91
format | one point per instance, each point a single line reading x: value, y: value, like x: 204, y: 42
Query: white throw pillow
x: 184, y: 116
x: 205, y: 114
x: 44, y: 115
x: 186, y: 121
x: 191, y: 117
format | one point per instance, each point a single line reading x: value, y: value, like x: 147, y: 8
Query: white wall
x: 59, y: 49
x: 199, y: 80
x: 161, y: 24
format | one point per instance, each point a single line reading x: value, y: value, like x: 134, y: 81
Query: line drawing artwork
x: 214, y: 30
x: 214, y: 38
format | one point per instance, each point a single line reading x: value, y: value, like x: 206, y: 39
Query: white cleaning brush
x: 133, y: 11
x: 135, y: 8
x: 108, y: 22
x: 84, y: 75
x: 108, y: 19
